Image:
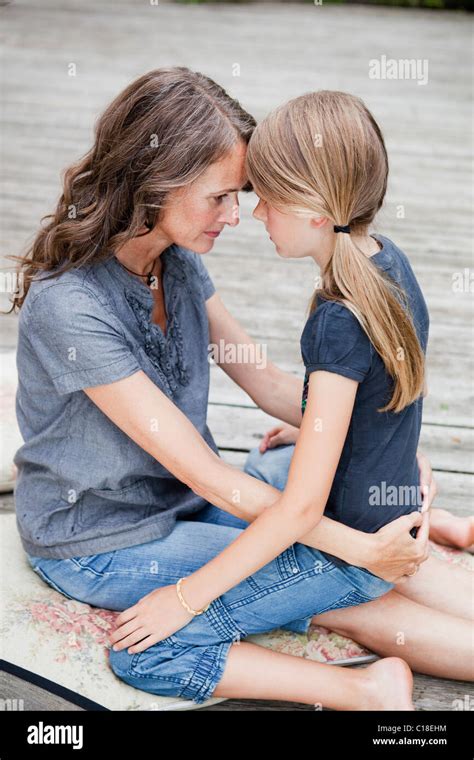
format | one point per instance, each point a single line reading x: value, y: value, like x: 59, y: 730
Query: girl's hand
x: 277, y: 436
x: 395, y: 553
x: 428, y: 485
x: 156, y: 616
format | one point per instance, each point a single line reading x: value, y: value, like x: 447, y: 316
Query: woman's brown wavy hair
x: 160, y: 133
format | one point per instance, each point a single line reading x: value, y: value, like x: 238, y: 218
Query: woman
x: 120, y: 488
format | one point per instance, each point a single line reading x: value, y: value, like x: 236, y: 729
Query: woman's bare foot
x: 388, y: 686
x: 449, y: 530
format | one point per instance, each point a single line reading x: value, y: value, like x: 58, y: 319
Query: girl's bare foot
x: 388, y: 685
x: 449, y: 530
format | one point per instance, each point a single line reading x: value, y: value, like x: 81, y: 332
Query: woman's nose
x: 232, y: 215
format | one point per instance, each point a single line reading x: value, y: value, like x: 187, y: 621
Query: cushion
x: 10, y: 435
x: 62, y: 645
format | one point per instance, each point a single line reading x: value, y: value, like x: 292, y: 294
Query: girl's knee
x: 153, y: 671
x: 154, y: 659
x: 169, y: 669
x: 120, y: 662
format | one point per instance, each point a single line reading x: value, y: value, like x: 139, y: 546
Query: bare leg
x: 451, y: 530
x: 255, y: 672
x: 441, y: 586
x: 430, y: 641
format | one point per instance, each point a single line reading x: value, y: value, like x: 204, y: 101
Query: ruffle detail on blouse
x: 156, y: 344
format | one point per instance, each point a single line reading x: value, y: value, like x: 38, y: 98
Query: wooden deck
x: 283, y: 50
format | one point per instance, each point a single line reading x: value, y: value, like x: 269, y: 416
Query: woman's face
x: 194, y: 216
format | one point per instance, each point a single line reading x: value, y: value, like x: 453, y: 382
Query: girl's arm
x: 300, y: 506
x: 135, y: 404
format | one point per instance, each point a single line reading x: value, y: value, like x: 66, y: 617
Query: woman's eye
x: 220, y: 197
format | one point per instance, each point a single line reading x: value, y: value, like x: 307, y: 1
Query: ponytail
x: 382, y: 311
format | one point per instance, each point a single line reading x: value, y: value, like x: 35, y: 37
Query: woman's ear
x: 145, y: 229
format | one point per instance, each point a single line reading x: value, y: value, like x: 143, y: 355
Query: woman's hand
x: 278, y: 436
x: 395, y: 554
x: 156, y: 616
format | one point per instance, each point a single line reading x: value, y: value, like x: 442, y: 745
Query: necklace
x: 149, y: 276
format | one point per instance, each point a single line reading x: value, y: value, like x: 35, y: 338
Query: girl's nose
x: 258, y: 213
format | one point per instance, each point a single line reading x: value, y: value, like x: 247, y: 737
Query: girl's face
x: 293, y: 236
x: 194, y: 216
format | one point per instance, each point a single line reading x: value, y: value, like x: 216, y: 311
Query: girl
x: 320, y: 167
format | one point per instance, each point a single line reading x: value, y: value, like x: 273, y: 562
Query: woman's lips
x: 213, y: 234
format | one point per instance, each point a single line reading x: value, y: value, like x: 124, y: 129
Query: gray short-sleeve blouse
x: 84, y: 487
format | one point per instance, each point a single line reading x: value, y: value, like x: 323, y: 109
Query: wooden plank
x: 455, y: 493
x: 449, y: 449
x: 48, y: 119
x: 428, y: 694
x: 446, y: 371
x: 32, y: 697
x: 442, y: 405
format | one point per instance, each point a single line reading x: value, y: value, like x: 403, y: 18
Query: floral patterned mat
x: 66, y: 642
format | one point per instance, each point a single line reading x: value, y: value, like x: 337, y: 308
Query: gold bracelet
x: 180, y: 596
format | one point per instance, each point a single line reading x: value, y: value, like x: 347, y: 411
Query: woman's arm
x: 276, y: 392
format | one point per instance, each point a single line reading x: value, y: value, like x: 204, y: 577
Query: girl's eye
x: 220, y: 197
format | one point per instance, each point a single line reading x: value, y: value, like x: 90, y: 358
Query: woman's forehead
x: 228, y: 174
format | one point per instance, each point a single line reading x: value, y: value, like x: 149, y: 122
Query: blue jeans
x: 285, y: 593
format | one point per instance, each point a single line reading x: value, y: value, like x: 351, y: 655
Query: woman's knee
x: 272, y: 466
x: 253, y: 462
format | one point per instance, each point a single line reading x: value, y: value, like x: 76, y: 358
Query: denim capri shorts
x: 285, y: 593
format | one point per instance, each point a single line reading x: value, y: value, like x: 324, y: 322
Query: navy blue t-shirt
x: 377, y: 478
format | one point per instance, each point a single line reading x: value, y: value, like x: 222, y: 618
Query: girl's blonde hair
x: 323, y: 154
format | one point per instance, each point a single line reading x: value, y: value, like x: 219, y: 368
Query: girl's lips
x: 213, y: 234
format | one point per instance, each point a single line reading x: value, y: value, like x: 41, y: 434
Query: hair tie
x: 342, y: 228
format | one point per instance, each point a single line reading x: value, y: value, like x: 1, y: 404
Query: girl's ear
x: 319, y: 221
